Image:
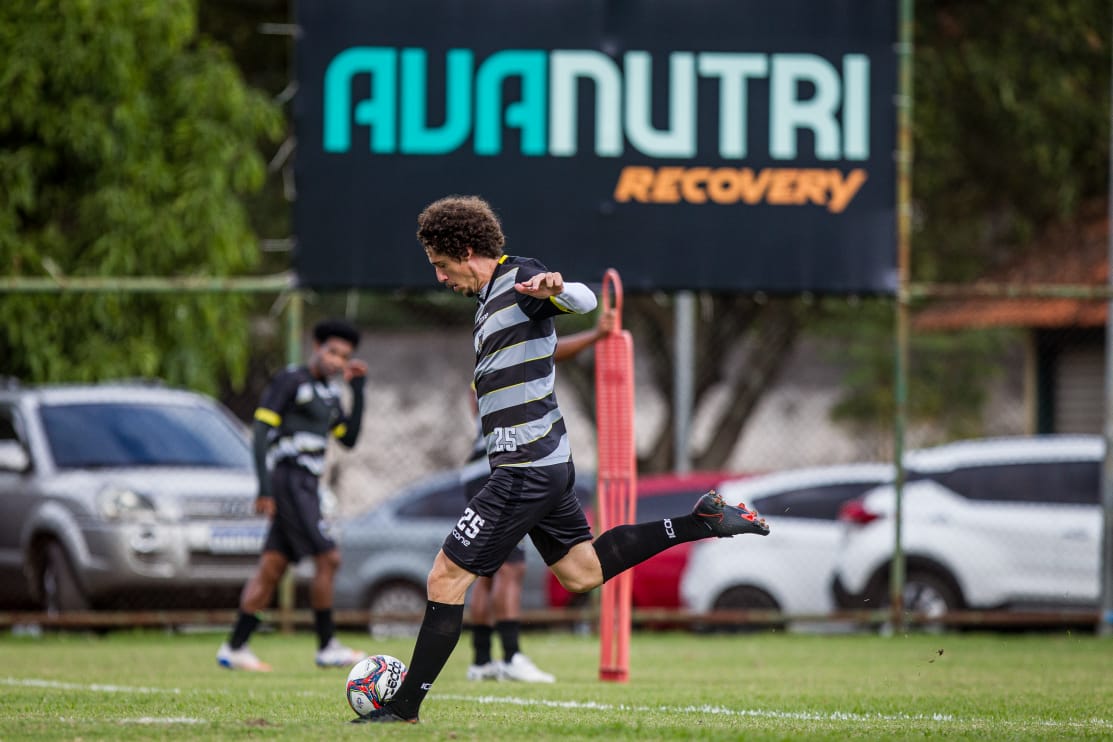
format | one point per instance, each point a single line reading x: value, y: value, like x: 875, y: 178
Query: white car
x: 790, y: 571
x: 1004, y: 523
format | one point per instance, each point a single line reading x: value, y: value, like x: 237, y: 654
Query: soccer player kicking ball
x: 530, y: 490
x: 496, y: 601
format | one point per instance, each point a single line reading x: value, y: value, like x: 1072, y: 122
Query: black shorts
x: 472, y: 487
x: 512, y: 503
x: 296, y: 528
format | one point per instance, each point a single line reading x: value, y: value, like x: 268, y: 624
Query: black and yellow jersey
x: 302, y: 412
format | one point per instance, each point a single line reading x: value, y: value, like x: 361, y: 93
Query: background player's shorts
x: 296, y: 528
x: 512, y: 503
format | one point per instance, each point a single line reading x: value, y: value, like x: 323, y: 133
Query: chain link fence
x: 780, y: 385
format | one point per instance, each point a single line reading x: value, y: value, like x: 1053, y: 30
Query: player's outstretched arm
x: 572, y: 297
x: 569, y: 346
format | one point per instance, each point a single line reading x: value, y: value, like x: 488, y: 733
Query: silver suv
x: 123, y: 495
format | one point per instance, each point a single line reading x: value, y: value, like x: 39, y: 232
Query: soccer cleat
x: 383, y: 715
x: 336, y: 654
x: 240, y: 659
x: 521, y: 669
x: 488, y: 671
x: 727, y: 520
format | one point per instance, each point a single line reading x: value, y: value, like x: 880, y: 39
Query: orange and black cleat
x: 727, y: 520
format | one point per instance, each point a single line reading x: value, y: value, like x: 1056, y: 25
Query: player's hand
x: 355, y: 369
x: 541, y: 286
x: 265, y: 506
x: 608, y: 320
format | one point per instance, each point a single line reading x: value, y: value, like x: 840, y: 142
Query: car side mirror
x: 13, y: 457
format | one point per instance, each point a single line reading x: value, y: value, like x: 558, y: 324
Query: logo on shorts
x: 669, y: 529
x: 456, y: 535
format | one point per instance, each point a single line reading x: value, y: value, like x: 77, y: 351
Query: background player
x: 299, y: 411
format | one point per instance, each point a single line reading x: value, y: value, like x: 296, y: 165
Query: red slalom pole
x: 617, y: 484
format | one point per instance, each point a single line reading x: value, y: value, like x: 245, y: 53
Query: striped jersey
x: 515, y: 338
x: 304, y: 411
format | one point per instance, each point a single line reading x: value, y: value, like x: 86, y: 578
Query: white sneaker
x: 240, y: 659
x: 490, y: 671
x: 336, y: 654
x: 522, y: 669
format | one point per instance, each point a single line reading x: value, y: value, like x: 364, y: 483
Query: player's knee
x: 577, y: 583
x: 448, y: 583
x: 271, y: 571
x: 329, y: 561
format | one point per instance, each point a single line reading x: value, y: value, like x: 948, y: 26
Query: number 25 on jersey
x: 505, y: 440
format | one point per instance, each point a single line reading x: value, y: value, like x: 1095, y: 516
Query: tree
x: 128, y: 143
x: 1011, y: 126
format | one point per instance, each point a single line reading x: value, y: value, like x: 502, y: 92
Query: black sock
x: 241, y: 631
x: 325, y: 627
x: 440, y: 630
x: 481, y: 642
x: 508, y: 635
x: 623, y: 547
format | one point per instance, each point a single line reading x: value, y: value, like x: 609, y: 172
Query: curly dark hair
x: 335, y: 328
x: 451, y: 225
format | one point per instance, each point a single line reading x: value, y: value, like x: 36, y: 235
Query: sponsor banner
x: 732, y: 145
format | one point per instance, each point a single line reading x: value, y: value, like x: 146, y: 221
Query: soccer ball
x: 373, y: 681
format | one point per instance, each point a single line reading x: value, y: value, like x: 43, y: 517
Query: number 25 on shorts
x: 470, y: 524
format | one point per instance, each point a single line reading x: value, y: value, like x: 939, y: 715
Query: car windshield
x: 116, y: 434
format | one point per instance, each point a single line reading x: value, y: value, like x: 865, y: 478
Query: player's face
x: 454, y: 273
x: 332, y: 356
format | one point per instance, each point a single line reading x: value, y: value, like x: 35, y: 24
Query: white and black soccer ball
x: 373, y: 681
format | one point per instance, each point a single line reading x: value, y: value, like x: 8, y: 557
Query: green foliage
x: 127, y: 145
x: 949, y: 375
x: 1011, y: 125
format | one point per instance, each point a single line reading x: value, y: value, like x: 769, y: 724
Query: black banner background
x: 355, y: 213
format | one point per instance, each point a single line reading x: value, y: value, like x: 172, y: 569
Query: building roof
x: 1074, y: 253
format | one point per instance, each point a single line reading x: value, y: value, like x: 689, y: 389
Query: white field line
x: 1096, y: 723
x: 773, y: 714
x: 148, y: 720
x: 56, y: 685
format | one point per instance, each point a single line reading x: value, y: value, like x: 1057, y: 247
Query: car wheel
x: 396, y: 598
x: 745, y: 598
x: 927, y: 592
x: 58, y: 585
x: 931, y: 595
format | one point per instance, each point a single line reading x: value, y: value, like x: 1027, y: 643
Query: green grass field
x: 154, y: 685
